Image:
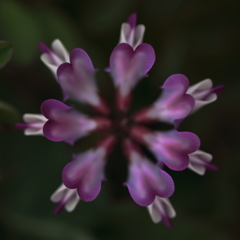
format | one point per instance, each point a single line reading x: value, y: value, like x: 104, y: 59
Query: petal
x: 86, y: 174
x: 129, y: 66
x: 77, y: 78
x: 173, y: 147
x: 72, y: 202
x: 139, y: 33
x: 161, y: 210
x: 132, y: 20
x: 60, y: 50
x: 172, y: 106
x: 51, y: 106
x: 34, y: 118
x: 58, y: 194
x: 200, y: 161
x: 147, y: 180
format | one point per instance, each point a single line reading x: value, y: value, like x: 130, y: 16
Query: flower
x: 78, y: 83
x: 203, y: 93
x: 161, y: 210
x: 146, y: 180
x: 33, y: 124
x: 173, y: 105
x: 171, y: 147
x: 130, y: 33
x: 148, y: 184
x: 54, y: 58
x: 200, y: 161
x: 127, y: 67
x: 65, y: 197
x: 86, y: 172
x: 65, y: 123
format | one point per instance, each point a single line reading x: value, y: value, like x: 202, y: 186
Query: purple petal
x: 149, y: 52
x: 49, y: 107
x: 173, y: 147
x: 129, y: 66
x: 80, y: 57
x: 132, y: 19
x: 146, y: 180
x: 44, y: 48
x: 86, y: 174
x: 77, y: 78
x: 217, y: 90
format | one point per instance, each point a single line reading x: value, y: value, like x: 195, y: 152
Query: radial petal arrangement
x: 148, y: 181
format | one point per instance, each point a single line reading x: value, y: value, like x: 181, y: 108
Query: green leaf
x: 6, y: 50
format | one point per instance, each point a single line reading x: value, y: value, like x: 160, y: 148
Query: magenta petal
x: 173, y: 147
x: 86, y: 174
x: 44, y: 48
x: 174, y: 104
x: 77, y: 79
x: 49, y: 106
x: 149, y: 52
x: 79, y: 56
x: 146, y: 180
x: 132, y: 20
x: 129, y: 66
x: 218, y: 90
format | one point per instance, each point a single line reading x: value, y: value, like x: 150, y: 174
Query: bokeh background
x: 198, y: 38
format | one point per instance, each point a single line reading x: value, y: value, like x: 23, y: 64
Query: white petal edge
x: 201, y: 86
x: 156, y: 215
x: 34, y: 118
x: 59, y: 49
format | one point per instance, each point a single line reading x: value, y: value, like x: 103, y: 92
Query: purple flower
x: 130, y: 33
x: 65, y: 197
x: 77, y: 80
x: 130, y: 61
x: 200, y: 161
x: 171, y: 147
x: 55, y: 57
x: 127, y: 67
x: 203, y: 93
x: 33, y: 124
x: 86, y: 172
x: 161, y: 210
x: 65, y: 123
x: 173, y: 105
x: 145, y: 179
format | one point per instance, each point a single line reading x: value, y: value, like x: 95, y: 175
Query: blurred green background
x: 198, y: 38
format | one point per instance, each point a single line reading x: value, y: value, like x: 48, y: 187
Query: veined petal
x: 146, y: 179
x: 66, y: 123
x: 171, y: 147
x: 129, y: 66
x: 172, y: 106
x: 86, y: 172
x: 77, y: 80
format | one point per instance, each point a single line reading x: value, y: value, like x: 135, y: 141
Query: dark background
x: 198, y: 38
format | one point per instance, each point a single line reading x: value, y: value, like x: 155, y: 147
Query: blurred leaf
x: 8, y: 115
x: 21, y: 27
x: 6, y: 50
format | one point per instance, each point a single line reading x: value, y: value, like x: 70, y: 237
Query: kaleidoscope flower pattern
x: 131, y: 60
